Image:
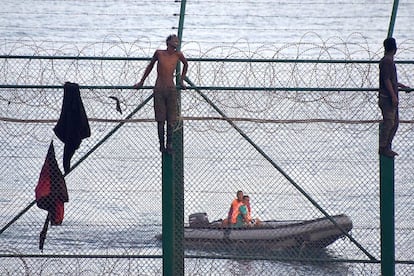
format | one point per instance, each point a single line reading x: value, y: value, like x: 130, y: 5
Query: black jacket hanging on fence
x: 73, y: 125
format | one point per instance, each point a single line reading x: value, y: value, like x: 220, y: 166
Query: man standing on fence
x: 388, y: 98
x: 165, y: 92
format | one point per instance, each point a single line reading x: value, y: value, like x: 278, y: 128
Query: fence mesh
x: 311, y: 125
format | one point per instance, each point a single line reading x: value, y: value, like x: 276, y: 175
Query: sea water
x: 137, y: 28
x: 348, y: 29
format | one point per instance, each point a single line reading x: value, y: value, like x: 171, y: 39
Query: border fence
x: 298, y: 136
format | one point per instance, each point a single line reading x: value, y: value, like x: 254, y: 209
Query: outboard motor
x: 198, y: 220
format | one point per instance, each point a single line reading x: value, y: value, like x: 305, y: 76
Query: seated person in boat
x: 234, y: 209
x: 250, y: 220
x: 243, y: 216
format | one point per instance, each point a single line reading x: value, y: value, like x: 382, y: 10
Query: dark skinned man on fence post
x: 388, y: 98
x: 165, y: 92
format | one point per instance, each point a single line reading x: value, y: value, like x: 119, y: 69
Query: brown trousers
x: 390, y: 122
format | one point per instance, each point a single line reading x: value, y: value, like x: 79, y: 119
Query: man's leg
x: 171, y: 117
x: 161, y: 135
x: 394, y: 129
x: 387, y: 127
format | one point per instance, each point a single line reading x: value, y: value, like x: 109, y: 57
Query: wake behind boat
x: 271, y: 234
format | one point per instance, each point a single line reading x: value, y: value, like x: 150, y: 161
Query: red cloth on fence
x: 51, y: 191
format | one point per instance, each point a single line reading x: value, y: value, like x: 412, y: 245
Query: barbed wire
x: 254, y: 88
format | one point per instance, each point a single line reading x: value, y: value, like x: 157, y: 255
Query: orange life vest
x: 235, y: 205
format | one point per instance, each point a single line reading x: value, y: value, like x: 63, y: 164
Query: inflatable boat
x: 271, y: 234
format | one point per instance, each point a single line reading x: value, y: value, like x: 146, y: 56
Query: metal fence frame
x: 173, y: 256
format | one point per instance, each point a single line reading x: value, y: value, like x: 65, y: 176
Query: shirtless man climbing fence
x: 165, y: 92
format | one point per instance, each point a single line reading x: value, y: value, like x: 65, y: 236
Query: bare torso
x: 167, y: 62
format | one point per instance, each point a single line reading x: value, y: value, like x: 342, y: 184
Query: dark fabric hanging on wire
x: 73, y: 125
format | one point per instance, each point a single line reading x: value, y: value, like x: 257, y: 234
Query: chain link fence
x: 300, y: 137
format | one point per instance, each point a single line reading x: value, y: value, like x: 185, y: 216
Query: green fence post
x: 387, y: 216
x: 167, y: 214
x: 178, y: 187
x: 178, y: 167
x: 392, y: 18
x: 387, y: 194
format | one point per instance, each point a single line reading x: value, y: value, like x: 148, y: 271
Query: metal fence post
x: 387, y: 216
x: 178, y: 171
x: 167, y: 214
x: 392, y: 18
x: 178, y: 188
x: 387, y: 195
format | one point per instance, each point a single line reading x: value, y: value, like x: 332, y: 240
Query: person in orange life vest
x: 234, y: 209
